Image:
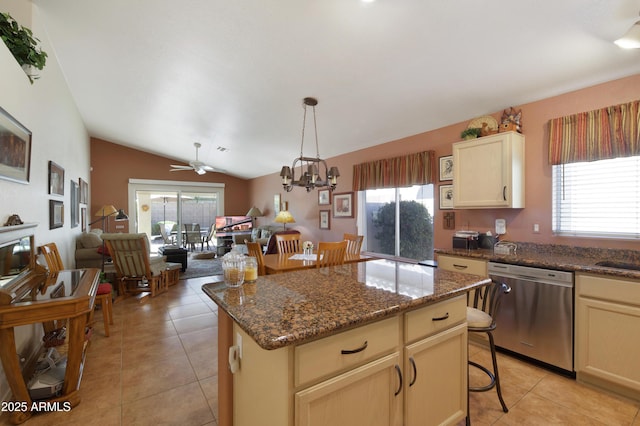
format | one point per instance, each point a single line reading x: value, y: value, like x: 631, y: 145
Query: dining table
x: 278, y: 263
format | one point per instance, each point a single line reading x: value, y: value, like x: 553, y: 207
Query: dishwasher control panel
x: 529, y: 273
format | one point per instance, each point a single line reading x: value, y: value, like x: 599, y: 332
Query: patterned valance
x: 397, y: 172
x: 596, y: 135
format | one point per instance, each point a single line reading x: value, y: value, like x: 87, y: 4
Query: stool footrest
x: 489, y: 373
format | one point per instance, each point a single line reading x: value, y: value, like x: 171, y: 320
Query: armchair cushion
x: 90, y: 240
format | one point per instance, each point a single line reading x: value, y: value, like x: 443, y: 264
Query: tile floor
x: 159, y: 366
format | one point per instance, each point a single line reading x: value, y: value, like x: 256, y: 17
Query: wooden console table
x: 40, y: 298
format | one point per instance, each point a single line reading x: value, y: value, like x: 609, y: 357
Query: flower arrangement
x: 307, y: 245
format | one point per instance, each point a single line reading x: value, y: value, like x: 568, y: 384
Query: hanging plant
x: 22, y: 45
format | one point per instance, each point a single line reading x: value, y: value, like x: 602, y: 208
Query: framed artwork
x: 276, y: 204
x: 56, y: 179
x: 325, y: 219
x: 446, y: 197
x: 324, y: 197
x: 15, y: 149
x: 83, y: 218
x: 75, y: 203
x: 84, y: 191
x: 343, y: 204
x: 56, y: 214
x: 446, y: 168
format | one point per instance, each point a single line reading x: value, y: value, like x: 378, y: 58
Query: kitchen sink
x: 618, y: 265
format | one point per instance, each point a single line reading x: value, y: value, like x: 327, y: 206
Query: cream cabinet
x: 607, y: 322
x: 436, y: 365
x: 462, y: 264
x: 409, y: 369
x: 489, y: 172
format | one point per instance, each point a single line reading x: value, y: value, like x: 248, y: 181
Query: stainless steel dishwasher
x: 536, y: 318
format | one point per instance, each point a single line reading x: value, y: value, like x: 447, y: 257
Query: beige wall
x: 47, y: 109
x: 535, y: 117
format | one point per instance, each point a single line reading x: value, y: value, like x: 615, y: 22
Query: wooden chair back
x: 288, y: 243
x: 331, y: 253
x: 255, y: 250
x: 51, y: 256
x: 354, y: 243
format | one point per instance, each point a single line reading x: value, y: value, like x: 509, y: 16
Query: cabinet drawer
x: 615, y: 289
x: 435, y: 318
x: 463, y: 264
x: 325, y: 356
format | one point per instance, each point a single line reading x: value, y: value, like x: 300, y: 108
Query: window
x: 398, y: 222
x: 597, y: 198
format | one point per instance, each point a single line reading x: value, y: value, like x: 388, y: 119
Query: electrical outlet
x: 536, y: 228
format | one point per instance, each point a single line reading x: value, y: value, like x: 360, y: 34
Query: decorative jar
x: 233, y: 267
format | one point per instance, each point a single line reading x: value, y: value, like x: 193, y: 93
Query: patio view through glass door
x: 161, y: 212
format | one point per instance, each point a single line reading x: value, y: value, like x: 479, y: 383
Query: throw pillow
x: 104, y: 250
x: 266, y: 233
x: 255, y: 234
x: 90, y: 240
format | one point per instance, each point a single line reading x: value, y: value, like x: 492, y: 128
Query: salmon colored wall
x: 535, y: 116
x: 113, y: 165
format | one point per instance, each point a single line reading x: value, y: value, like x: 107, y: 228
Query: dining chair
x: 255, y: 250
x: 192, y: 233
x: 167, y: 238
x: 288, y: 243
x: 354, y: 243
x: 210, y: 236
x: 136, y: 270
x: 331, y: 253
x: 104, y: 294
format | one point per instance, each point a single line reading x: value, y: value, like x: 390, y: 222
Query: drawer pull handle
x: 354, y: 351
x: 442, y: 318
x: 399, y: 377
x: 415, y: 371
x: 455, y: 265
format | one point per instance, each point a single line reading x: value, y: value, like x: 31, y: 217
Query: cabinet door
x: 367, y: 396
x: 436, y: 379
x: 489, y: 172
x: 607, y: 344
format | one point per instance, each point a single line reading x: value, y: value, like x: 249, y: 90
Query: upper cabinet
x: 488, y: 172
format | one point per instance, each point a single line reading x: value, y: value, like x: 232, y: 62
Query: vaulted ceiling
x: 159, y: 75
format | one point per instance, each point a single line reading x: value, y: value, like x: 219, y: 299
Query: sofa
x: 89, y: 249
x: 259, y: 234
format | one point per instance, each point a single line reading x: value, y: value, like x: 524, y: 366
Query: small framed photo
x: 83, y: 218
x: 84, y: 191
x: 56, y: 179
x: 276, y: 204
x: 324, y: 197
x: 446, y: 197
x: 325, y: 219
x: 56, y: 214
x: 446, y: 168
x: 343, y: 204
x: 75, y: 203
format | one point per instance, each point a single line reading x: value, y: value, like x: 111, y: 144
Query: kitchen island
x: 379, y: 342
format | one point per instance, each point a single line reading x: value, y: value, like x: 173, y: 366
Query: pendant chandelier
x: 309, y: 167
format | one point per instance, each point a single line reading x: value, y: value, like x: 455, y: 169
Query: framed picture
x: 75, y: 203
x: 324, y: 197
x: 343, y: 204
x: 325, y: 219
x: 56, y: 214
x: 84, y: 191
x: 446, y: 168
x: 276, y: 204
x: 15, y: 149
x: 83, y: 218
x: 446, y: 197
x: 56, y: 179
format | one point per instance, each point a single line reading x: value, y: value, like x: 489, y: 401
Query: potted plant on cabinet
x: 22, y: 45
x: 470, y: 133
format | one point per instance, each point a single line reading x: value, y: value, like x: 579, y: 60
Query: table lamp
x: 284, y: 217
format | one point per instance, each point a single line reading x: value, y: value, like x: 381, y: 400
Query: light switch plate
x: 501, y: 226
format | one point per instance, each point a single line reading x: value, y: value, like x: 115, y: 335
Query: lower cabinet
x: 406, y: 370
x: 607, y: 324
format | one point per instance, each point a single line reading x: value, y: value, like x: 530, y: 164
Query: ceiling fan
x: 197, y: 166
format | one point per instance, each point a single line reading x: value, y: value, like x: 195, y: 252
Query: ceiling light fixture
x: 631, y: 40
x: 309, y: 166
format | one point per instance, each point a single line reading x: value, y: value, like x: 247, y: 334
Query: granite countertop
x: 296, y: 307
x: 561, y: 257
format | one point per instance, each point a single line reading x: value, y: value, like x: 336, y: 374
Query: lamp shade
x: 121, y: 215
x: 106, y: 210
x: 284, y: 217
x: 254, y: 212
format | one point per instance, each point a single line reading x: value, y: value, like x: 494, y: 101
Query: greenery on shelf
x: 22, y: 44
x: 470, y: 133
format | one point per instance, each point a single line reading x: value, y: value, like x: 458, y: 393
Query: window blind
x: 598, y: 198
